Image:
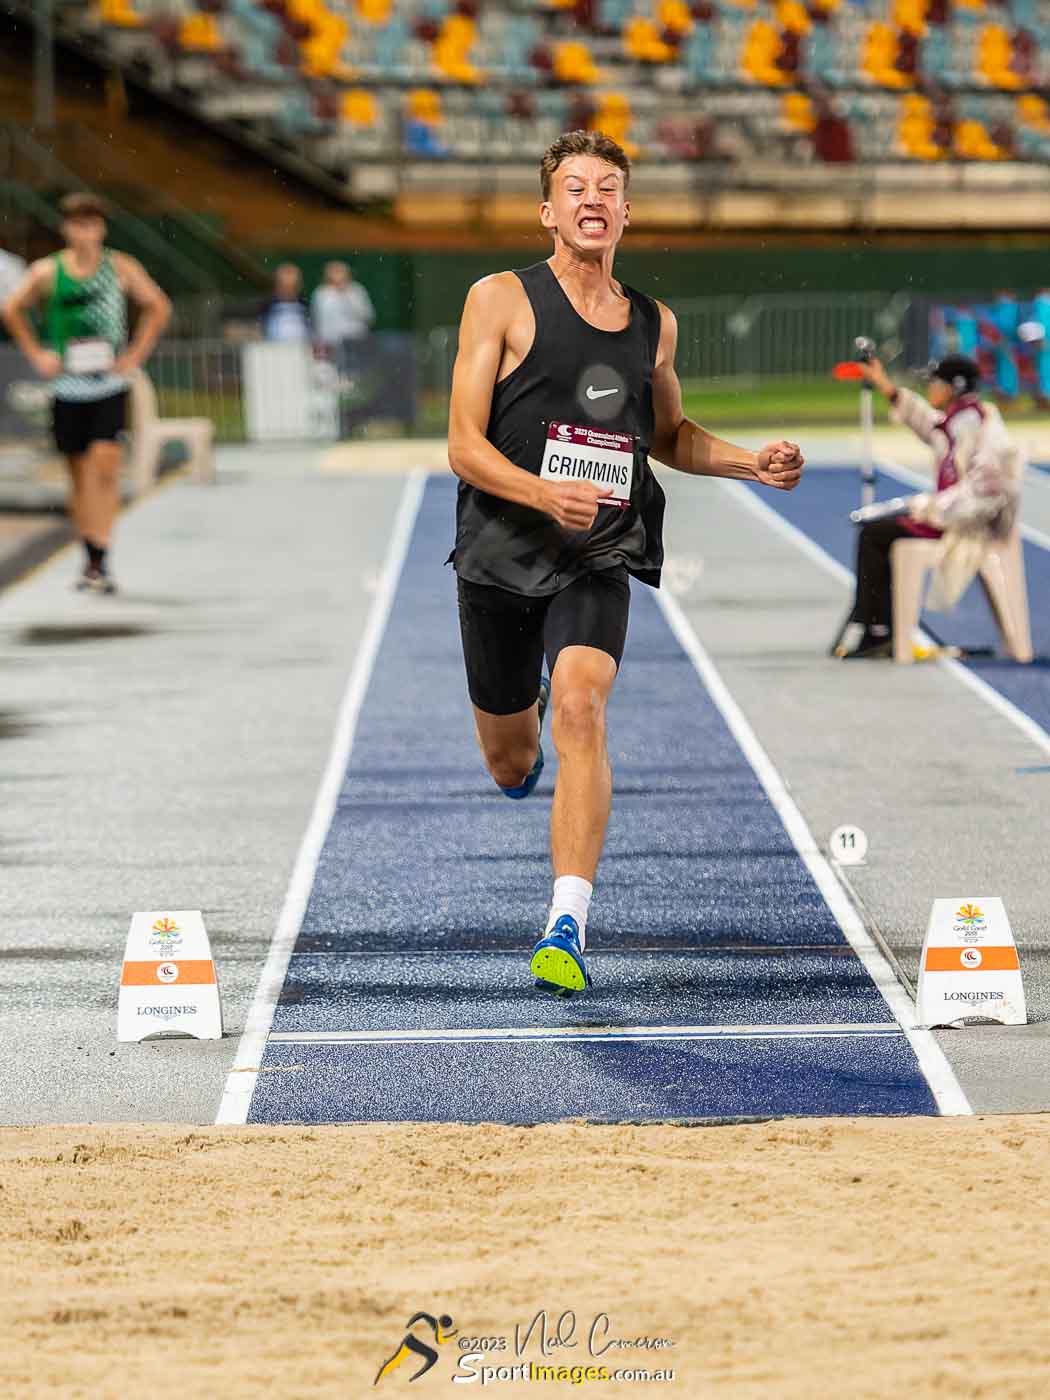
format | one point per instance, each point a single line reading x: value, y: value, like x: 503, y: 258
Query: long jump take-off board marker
x: 168, y: 984
x: 969, y: 967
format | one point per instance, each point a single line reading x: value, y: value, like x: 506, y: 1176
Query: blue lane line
x: 431, y: 888
x: 820, y: 508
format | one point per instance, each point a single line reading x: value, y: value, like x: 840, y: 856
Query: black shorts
x: 505, y: 635
x: 77, y: 425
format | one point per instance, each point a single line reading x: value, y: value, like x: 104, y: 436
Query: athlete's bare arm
x: 154, y: 308
x: 680, y: 443
x: 34, y: 287
x: 495, y: 335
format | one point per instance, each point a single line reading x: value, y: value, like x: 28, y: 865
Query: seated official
x: 978, y: 472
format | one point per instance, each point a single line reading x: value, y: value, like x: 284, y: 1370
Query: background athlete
x: 88, y: 360
x: 564, y: 386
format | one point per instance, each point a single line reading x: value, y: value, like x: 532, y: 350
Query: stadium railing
x: 735, y: 342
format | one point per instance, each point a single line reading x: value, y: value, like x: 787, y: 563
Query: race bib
x: 89, y: 357
x: 589, y: 454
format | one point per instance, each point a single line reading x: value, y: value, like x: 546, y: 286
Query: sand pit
x: 790, y: 1259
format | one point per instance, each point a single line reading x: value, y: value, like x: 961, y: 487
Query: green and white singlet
x: 89, y: 309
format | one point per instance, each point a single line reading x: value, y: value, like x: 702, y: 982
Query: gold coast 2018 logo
x: 165, y: 935
x: 412, y: 1345
x: 970, y: 915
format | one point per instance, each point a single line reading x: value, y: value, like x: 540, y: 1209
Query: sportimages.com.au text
x: 481, y: 1357
x: 473, y: 1368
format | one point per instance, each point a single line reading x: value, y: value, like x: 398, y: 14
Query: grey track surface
x: 26, y: 540
x: 164, y: 749
x: 917, y: 760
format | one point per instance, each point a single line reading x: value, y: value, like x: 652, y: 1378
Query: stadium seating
x: 817, y: 80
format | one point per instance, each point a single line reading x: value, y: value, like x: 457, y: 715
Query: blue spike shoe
x: 533, y: 775
x: 557, y: 960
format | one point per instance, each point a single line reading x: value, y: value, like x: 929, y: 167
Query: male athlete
x: 88, y: 362
x: 563, y: 388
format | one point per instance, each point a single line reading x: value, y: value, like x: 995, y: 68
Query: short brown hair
x: 82, y: 205
x: 582, y: 143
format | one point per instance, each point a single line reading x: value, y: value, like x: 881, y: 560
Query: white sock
x: 572, y: 896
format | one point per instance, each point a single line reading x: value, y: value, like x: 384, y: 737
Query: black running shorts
x: 77, y: 425
x: 505, y: 635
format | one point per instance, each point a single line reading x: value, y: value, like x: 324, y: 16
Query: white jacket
x: 980, y: 471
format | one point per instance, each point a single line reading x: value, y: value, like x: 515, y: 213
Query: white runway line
x: 240, y: 1083
x: 944, y: 1086
x: 839, y: 1031
x: 776, y: 522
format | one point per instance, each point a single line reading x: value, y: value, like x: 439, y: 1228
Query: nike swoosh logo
x: 593, y: 393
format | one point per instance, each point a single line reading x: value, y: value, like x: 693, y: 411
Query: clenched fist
x: 573, y: 504
x: 780, y: 465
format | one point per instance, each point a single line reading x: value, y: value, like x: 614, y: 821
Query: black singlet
x: 573, y: 374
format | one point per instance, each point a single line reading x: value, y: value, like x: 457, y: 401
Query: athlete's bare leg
x: 96, y: 492
x: 76, y: 495
x: 509, y: 743
x: 580, y: 687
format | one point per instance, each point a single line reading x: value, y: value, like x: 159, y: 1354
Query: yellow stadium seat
x: 200, y: 34
x: 452, y: 48
x: 915, y: 129
x: 910, y: 15
x: 879, y: 55
x: 674, y: 15
x: 972, y: 142
x: 792, y: 16
x: 374, y: 11
x: 359, y: 107
x: 120, y: 13
x: 306, y: 11
x: 424, y: 105
x: 322, y: 52
x: 1032, y: 111
x: 797, y: 111
x: 758, y: 61
x: 994, y: 52
x: 642, y: 41
x: 574, y: 63
x: 613, y: 116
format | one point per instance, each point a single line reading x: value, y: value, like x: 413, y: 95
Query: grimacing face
x: 588, y: 207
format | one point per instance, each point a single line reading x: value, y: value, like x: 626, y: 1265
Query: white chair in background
x: 150, y: 435
x: 1001, y: 574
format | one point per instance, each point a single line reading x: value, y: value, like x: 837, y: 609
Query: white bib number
x: 589, y: 454
x: 89, y: 357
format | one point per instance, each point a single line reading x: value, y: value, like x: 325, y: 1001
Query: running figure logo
x: 442, y: 1329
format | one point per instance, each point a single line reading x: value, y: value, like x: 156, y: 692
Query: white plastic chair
x: 150, y: 435
x: 1001, y: 574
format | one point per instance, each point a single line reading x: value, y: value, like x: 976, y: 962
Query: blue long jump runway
x: 820, y: 508
x: 724, y: 987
